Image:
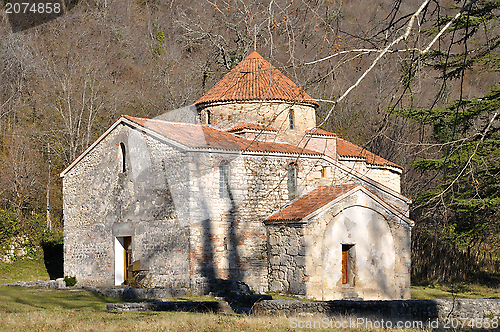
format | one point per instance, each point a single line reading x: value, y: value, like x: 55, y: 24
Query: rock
x: 276, y: 286
x: 60, y: 283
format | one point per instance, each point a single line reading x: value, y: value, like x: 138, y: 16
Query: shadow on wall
x: 53, y: 260
x: 233, y: 290
x: 234, y: 259
x: 207, y: 270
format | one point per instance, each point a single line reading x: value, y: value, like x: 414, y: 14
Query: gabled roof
x: 320, y: 199
x: 255, y: 79
x: 307, y: 204
x: 198, y: 136
x: 349, y: 150
x: 202, y: 137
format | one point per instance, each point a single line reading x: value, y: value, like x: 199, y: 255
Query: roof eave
x: 122, y: 120
x: 307, y: 218
x: 253, y: 101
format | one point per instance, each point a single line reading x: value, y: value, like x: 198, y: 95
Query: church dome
x: 255, y: 79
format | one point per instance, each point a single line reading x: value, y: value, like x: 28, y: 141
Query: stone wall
x: 228, y: 237
x: 18, y: 246
x: 187, y: 306
x: 388, y: 176
x: 103, y: 202
x: 305, y: 256
x: 287, y: 259
x: 274, y: 114
x: 379, y: 262
x: 182, y: 231
x: 390, y: 310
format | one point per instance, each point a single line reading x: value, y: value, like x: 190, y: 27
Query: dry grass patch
x: 78, y: 320
x: 31, y: 309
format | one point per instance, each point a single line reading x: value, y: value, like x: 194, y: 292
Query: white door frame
x: 119, y: 261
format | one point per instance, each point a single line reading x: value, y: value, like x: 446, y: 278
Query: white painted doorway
x: 123, y: 251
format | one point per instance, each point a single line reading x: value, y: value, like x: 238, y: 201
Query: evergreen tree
x: 460, y: 203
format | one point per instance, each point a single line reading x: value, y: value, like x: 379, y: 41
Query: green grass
x: 23, y: 270
x: 35, y: 309
x: 30, y: 309
x: 24, y: 299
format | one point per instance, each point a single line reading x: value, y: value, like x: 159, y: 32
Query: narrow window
x: 323, y: 171
x: 224, y: 180
x: 291, y: 119
x: 209, y: 117
x: 347, y: 264
x: 292, y: 180
x: 124, y: 156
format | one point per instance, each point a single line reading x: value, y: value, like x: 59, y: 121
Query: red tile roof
x: 251, y: 126
x: 348, y: 149
x: 320, y: 132
x: 307, y: 204
x: 202, y: 137
x: 255, y: 79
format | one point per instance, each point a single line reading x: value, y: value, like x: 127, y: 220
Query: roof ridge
x: 250, y: 125
x: 160, y: 120
x: 320, y: 132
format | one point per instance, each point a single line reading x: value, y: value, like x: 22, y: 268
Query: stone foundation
x: 423, y: 310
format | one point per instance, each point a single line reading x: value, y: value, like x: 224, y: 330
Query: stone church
x: 241, y: 185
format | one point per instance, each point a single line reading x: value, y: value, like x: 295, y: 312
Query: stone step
x: 349, y: 295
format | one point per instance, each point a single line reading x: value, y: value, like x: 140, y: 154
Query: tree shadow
x: 234, y: 258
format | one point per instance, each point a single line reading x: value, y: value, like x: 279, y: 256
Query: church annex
x: 245, y: 187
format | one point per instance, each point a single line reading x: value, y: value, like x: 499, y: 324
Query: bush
x: 9, y: 227
x: 51, y: 238
x: 33, y: 230
x: 70, y: 281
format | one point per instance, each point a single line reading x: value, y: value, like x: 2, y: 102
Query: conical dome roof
x: 255, y: 79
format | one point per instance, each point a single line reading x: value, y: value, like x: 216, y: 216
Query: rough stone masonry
x: 247, y: 189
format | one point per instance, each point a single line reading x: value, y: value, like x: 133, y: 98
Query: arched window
x: 224, y: 180
x: 292, y: 180
x: 124, y: 156
x: 291, y: 119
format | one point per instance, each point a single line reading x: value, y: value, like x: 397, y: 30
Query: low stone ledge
x: 116, y: 292
x: 142, y: 293
x: 56, y: 284
x: 398, y: 309
x: 186, y: 306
